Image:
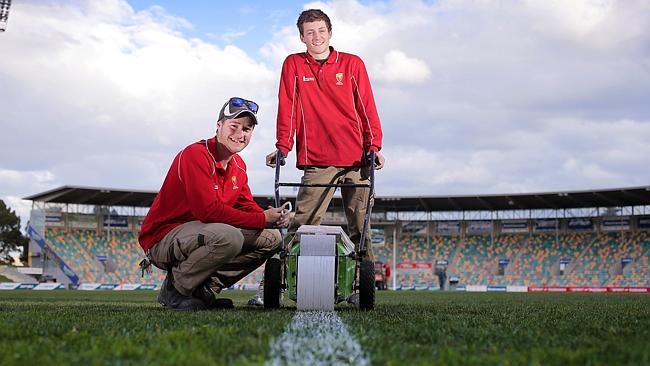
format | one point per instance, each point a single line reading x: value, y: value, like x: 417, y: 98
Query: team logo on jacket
x: 339, y: 78
x: 233, y: 179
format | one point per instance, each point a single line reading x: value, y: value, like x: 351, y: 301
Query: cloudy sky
x: 475, y: 96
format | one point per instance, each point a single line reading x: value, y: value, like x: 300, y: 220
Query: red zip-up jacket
x: 197, y: 187
x: 329, y: 108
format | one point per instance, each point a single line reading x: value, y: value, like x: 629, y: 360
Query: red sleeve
x: 195, y: 171
x: 287, y: 107
x: 366, y: 108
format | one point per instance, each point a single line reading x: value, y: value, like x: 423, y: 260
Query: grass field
x: 406, y: 328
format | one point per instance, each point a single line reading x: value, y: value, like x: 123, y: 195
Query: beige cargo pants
x: 219, y: 254
x: 312, y: 202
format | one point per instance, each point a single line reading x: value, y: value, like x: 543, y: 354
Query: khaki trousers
x: 212, y: 253
x: 312, y: 202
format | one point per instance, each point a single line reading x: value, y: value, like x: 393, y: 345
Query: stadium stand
x: 110, y: 259
x: 413, y: 249
x: 597, y: 264
x: 593, y: 260
x: 637, y: 275
x: 101, y: 258
x: 538, y: 260
x: 416, y: 258
x: 443, y: 246
x: 534, y: 260
x: 383, y: 253
x: 637, y: 271
x: 479, y: 256
x: 550, y: 252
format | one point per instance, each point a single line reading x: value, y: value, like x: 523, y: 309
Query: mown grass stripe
x: 316, y: 338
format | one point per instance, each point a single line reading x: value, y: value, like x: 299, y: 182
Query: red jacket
x: 387, y: 269
x: 329, y: 108
x: 197, y: 187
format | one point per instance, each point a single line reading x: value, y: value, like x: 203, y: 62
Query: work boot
x: 258, y: 298
x: 164, y: 289
x: 205, y: 294
x: 174, y: 300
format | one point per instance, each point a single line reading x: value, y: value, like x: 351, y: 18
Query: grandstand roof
x: 95, y: 196
x: 618, y: 197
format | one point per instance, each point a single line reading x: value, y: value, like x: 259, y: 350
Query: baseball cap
x: 237, y: 106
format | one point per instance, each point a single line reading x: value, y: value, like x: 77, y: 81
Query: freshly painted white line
x: 316, y: 338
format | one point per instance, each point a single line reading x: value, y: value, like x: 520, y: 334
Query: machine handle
x: 279, y: 161
x: 371, y: 192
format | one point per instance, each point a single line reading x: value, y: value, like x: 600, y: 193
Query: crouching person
x: 204, y: 228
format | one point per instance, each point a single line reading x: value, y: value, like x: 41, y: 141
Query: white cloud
x: 232, y: 36
x: 397, y: 67
x: 591, y: 171
x: 95, y: 93
x: 116, y: 79
x: 283, y: 43
x: 514, y: 89
x: 16, y: 178
x: 475, y: 96
x: 576, y: 17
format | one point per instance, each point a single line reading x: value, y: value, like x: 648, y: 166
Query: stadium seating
x: 605, y: 259
x: 534, y: 260
x: 73, y: 253
x: 637, y: 272
x: 442, y: 247
x: 82, y: 250
x: 598, y: 263
x: 417, y: 249
x: 478, y: 260
x: 383, y: 253
x: 539, y: 257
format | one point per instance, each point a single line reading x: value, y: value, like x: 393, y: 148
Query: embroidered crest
x: 233, y: 179
x: 339, y: 78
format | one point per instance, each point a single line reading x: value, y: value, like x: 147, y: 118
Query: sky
x: 474, y: 96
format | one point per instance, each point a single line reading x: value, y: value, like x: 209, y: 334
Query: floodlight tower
x: 4, y: 14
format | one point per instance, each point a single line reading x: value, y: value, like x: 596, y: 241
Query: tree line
x: 12, y: 239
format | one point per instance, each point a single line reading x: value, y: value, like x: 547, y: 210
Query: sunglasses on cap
x: 237, y: 102
x: 236, y: 106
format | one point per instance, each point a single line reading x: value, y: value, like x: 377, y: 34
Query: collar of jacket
x: 331, y: 59
x: 211, y: 145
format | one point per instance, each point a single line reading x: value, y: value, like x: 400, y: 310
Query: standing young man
x: 326, y: 105
x: 204, y: 227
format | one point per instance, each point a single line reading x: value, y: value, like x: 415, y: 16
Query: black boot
x: 205, y: 294
x: 174, y: 300
x: 164, y: 289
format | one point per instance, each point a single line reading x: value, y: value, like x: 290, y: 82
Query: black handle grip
x: 372, y: 157
x: 279, y: 157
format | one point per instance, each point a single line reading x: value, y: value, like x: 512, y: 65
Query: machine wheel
x: 272, y: 283
x: 367, y: 285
